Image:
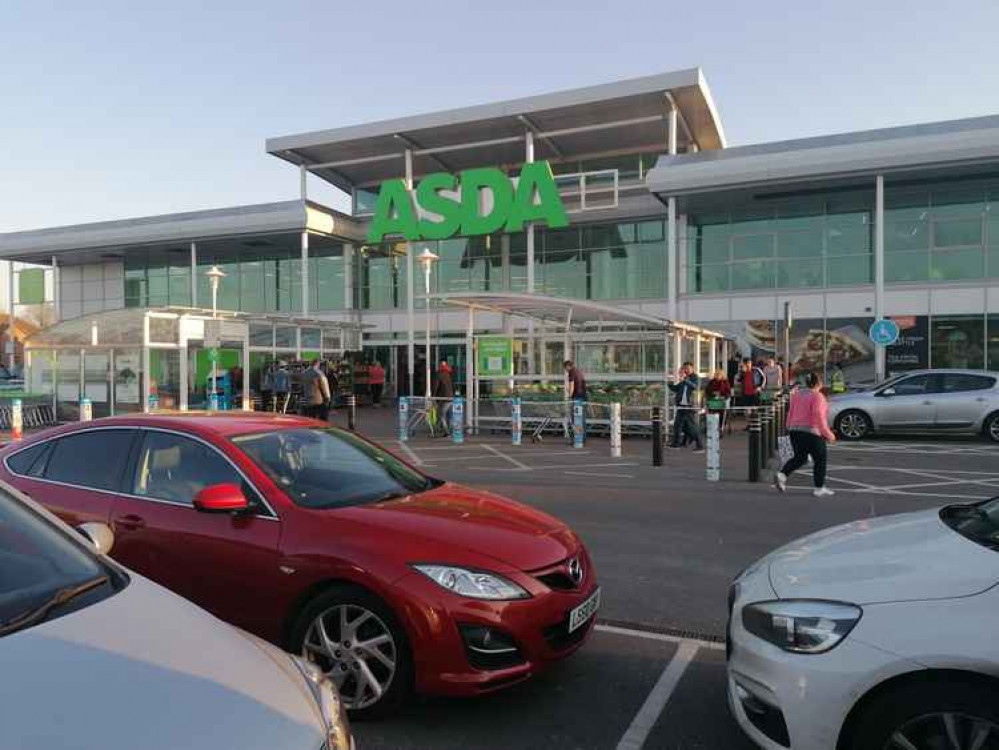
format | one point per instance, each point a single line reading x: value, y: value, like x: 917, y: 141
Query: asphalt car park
x: 666, y: 543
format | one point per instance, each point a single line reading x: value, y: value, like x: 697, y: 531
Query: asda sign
x: 477, y: 201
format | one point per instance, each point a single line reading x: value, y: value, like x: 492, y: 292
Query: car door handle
x: 131, y: 522
x: 927, y: 403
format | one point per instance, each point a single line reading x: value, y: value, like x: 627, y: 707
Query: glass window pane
x: 848, y: 234
x: 712, y: 278
x: 311, y: 338
x: 957, y: 232
x: 175, y: 468
x: 957, y: 341
x: 902, y: 236
x: 799, y: 273
x: 753, y: 275
x: 902, y: 267
x: 261, y: 334
x: 86, y: 462
x: 957, y: 264
x: 800, y: 244
x: 752, y: 246
x: 857, y: 269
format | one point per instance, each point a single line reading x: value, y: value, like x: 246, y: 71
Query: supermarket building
x: 661, y: 218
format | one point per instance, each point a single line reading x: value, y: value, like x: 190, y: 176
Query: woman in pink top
x: 808, y: 426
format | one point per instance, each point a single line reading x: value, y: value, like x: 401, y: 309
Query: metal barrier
x: 32, y: 415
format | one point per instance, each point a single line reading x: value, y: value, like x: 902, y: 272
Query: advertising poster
x: 912, y: 350
x: 126, y: 378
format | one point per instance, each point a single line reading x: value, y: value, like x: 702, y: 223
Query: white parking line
x: 595, y: 474
x: 648, y: 714
x: 549, y: 468
x: 519, y: 464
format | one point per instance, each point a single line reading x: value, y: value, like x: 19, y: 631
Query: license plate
x: 581, y: 614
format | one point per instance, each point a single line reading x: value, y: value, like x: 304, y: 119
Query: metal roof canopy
x: 630, y: 115
x: 569, y: 314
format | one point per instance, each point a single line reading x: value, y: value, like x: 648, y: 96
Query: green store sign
x: 534, y: 197
x: 495, y: 356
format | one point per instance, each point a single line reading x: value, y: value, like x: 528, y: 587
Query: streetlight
x: 215, y: 275
x: 427, y: 258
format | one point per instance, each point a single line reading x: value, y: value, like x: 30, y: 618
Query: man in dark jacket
x: 686, y: 391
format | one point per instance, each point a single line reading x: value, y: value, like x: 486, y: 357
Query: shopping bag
x: 785, y: 449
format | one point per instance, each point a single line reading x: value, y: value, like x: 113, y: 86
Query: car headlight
x: 801, y: 626
x: 330, y: 706
x: 474, y: 584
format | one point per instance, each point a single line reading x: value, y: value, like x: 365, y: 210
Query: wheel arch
x: 994, y: 414
x: 873, y: 426
x: 317, y: 588
x: 920, y: 676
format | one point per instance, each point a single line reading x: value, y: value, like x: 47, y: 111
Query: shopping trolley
x: 548, y: 416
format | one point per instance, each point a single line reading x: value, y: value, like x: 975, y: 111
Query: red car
x: 320, y: 541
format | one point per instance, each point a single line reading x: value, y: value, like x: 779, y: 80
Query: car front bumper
x: 538, y: 626
x: 784, y: 700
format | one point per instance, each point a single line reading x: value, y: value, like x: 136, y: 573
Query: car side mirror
x: 99, y: 535
x: 887, y: 392
x: 221, y: 498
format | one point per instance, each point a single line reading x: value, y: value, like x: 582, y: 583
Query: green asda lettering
x: 533, y: 198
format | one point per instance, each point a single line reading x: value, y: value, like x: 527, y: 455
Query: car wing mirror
x: 887, y: 392
x: 99, y: 535
x: 221, y: 498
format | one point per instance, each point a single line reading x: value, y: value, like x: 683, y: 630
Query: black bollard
x: 657, y: 436
x: 754, y: 445
x: 352, y: 412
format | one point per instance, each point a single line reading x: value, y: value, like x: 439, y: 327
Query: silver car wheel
x: 356, y: 650
x: 853, y: 425
x: 994, y: 429
x: 954, y: 731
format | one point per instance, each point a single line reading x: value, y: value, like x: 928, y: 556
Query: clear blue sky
x: 119, y: 108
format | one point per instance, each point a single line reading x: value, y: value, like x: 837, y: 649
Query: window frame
x: 975, y: 376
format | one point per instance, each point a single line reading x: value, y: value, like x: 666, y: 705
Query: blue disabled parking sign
x: 884, y: 332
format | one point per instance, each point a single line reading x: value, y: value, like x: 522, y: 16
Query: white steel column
x: 184, y: 374
x: 10, y: 311
x: 56, y: 296
x: 469, y: 366
x: 879, y: 269
x: 194, y: 274
x: 697, y: 355
x: 410, y: 287
x: 528, y: 158
x: 348, y: 276
x: 305, y: 274
x: 303, y: 187
x: 671, y: 239
x: 713, y: 358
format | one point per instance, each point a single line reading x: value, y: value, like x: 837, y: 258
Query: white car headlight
x: 330, y: 706
x: 474, y: 584
x: 801, y: 626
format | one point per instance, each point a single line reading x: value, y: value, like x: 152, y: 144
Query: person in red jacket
x: 718, y: 389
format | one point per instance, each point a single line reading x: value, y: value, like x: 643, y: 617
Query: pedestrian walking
x: 315, y: 391
x: 686, y: 390
x: 444, y: 390
x: 717, y: 392
x: 773, y: 378
x: 575, y: 389
x: 281, y: 382
x: 808, y: 427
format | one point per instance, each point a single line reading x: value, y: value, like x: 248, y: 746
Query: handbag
x: 785, y: 449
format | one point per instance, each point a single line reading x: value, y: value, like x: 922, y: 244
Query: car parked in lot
x: 876, y: 635
x: 93, y: 655
x: 924, y: 401
x: 320, y: 541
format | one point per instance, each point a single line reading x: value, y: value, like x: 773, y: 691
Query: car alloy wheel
x: 356, y: 650
x: 993, y: 428
x: 853, y: 425
x: 951, y: 730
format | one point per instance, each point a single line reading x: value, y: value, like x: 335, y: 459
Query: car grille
x: 557, y: 581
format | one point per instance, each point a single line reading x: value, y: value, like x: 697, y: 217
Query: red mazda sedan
x: 326, y: 544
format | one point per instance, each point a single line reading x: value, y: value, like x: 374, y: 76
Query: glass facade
x: 813, y: 241
x: 946, y: 231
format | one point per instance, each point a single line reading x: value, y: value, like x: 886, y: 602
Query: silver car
x: 94, y: 655
x: 924, y: 401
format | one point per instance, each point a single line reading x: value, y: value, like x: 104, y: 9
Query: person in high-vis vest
x: 837, y: 380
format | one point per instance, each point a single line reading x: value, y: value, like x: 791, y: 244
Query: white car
x: 93, y: 655
x: 882, y: 634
